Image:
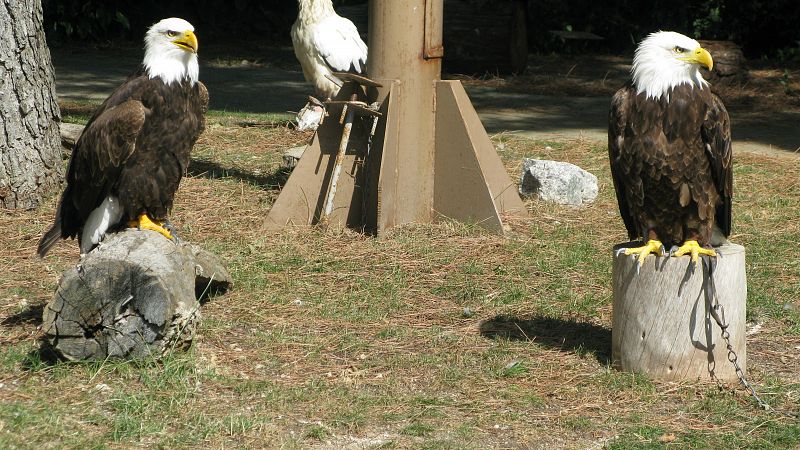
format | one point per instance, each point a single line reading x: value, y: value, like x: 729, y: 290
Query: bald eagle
x: 325, y: 42
x: 669, y: 144
x: 128, y: 162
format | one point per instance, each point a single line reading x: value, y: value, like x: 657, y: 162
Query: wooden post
x: 661, y: 323
x: 134, y: 296
x: 430, y: 156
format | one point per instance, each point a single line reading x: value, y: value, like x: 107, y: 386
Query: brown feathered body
x: 671, y: 164
x: 136, y: 148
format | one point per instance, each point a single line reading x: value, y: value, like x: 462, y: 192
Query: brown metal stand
x: 431, y: 156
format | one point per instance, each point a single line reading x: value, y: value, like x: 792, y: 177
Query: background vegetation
x: 763, y: 28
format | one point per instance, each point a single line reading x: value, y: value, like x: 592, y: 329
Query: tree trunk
x: 30, y: 147
x: 134, y: 296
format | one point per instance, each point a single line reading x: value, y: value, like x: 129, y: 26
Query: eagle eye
x: 679, y: 49
x: 171, y: 33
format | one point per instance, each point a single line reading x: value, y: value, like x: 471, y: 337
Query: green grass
x: 434, y: 336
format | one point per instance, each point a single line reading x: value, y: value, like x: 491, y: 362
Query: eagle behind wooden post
x: 128, y: 163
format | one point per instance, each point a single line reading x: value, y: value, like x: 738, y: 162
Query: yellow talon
x: 145, y: 223
x: 694, y: 249
x: 652, y: 246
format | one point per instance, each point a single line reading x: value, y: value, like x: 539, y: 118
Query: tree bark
x: 30, y: 147
x: 134, y: 296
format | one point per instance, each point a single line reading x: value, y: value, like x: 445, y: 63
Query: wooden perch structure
x: 426, y: 158
x: 661, y: 324
x: 134, y: 296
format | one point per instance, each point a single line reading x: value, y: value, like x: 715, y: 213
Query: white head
x: 666, y: 59
x: 170, y: 51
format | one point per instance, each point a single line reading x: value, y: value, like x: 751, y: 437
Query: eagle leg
x: 694, y: 249
x: 652, y: 246
x: 146, y: 223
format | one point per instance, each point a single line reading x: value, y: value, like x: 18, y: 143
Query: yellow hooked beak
x: 188, y: 42
x: 702, y: 57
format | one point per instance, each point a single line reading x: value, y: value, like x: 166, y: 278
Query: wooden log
x: 661, y: 324
x: 70, y: 133
x: 730, y: 65
x: 135, y: 295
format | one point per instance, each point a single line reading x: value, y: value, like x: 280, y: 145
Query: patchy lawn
x: 435, y: 336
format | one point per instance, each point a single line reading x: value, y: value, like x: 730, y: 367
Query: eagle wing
x: 617, y: 123
x: 106, y: 143
x: 341, y: 47
x: 203, y: 96
x: 111, y: 138
x: 716, y: 135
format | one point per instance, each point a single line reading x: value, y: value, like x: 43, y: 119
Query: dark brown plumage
x: 671, y: 163
x: 136, y: 147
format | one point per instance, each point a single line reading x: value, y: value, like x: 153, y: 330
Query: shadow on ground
x: 31, y: 316
x: 43, y: 355
x: 563, y: 335
x: 208, y: 169
x: 92, y: 74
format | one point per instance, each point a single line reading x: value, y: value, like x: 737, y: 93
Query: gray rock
x: 557, y: 182
x: 292, y: 156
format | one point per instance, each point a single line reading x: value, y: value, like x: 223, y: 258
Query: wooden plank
x: 471, y: 182
x: 359, y: 79
x: 301, y: 201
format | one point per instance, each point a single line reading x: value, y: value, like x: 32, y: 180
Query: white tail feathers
x: 104, y: 216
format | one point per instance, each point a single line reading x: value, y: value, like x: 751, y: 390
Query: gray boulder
x: 558, y: 182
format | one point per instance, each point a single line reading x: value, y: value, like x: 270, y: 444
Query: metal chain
x: 718, y: 313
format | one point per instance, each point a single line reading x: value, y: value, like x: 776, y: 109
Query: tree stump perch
x: 134, y: 296
x: 661, y: 324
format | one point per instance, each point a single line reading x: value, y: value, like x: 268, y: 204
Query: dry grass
x: 436, y: 336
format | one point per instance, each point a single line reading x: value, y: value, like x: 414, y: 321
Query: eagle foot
x: 652, y: 246
x: 693, y: 249
x: 146, y: 223
x: 171, y: 229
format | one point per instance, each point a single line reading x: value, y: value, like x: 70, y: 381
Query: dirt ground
x: 557, y: 97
